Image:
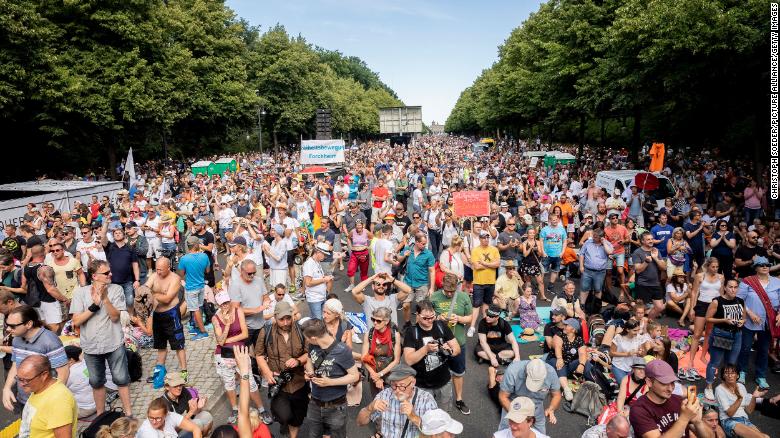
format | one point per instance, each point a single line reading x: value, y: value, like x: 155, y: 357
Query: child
x: 569, y: 261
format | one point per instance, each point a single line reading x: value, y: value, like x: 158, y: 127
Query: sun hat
x: 437, y: 421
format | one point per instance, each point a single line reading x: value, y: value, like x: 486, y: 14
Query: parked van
x: 620, y: 179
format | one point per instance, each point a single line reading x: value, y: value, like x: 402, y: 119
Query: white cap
x: 535, y: 373
x: 520, y: 409
x: 438, y: 421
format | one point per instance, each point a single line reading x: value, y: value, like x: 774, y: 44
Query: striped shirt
x: 44, y: 343
x: 392, y: 418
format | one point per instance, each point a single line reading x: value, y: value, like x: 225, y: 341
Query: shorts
x: 495, y: 348
x: 729, y: 423
x: 482, y: 294
x: 417, y: 294
x: 700, y: 309
x: 167, y: 328
x: 203, y: 419
x: 155, y: 246
x: 442, y: 395
x: 194, y: 299
x: 50, y: 313
x: 117, y: 364
x: 592, y: 280
x: 290, y: 257
x: 226, y: 370
x: 649, y: 293
x: 619, y: 259
x: 457, y: 364
x: 468, y: 274
x: 551, y: 264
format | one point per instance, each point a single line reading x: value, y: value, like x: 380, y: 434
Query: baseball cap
x: 520, y: 409
x: 558, y: 311
x: 573, y: 323
x: 661, y: 371
x: 493, y: 311
x: 238, y: 240
x: 174, y: 379
x: 760, y: 260
x: 282, y: 309
x: 131, y: 224
x: 613, y: 214
x: 484, y: 233
x: 536, y: 372
x: 193, y: 241
x: 438, y: 421
x: 450, y: 282
x: 221, y: 298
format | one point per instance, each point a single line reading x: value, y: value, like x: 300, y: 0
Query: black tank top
x: 733, y: 309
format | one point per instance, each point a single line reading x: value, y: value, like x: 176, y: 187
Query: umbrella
x: 314, y: 169
x: 646, y: 181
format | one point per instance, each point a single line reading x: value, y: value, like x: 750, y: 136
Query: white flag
x: 130, y: 168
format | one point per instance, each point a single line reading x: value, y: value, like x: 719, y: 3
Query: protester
x: 51, y: 410
x: 180, y: 400
x: 437, y: 423
x: 485, y: 260
x: 194, y: 266
x: 535, y: 380
x: 160, y: 421
x: 388, y: 293
x: 497, y: 343
x: 315, y: 280
x: 521, y: 417
x: 727, y: 313
x: 735, y: 404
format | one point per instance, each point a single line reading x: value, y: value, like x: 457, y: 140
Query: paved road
x: 484, y: 417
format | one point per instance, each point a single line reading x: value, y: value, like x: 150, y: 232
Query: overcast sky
x: 427, y: 51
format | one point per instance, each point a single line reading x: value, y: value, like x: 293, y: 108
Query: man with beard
x: 280, y: 348
x: 166, y: 319
x: 388, y: 292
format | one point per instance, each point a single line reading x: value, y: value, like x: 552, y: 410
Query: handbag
x: 719, y: 340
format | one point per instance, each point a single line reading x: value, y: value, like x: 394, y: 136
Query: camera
x: 282, y: 379
x: 444, y: 355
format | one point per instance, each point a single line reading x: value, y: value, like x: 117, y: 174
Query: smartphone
x: 691, y: 394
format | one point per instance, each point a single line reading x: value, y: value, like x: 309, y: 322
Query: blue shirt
x: 594, y: 256
x: 754, y: 304
x: 417, y: 267
x: 194, y: 265
x: 44, y: 343
x: 662, y: 233
x: 552, y: 239
x: 514, y: 382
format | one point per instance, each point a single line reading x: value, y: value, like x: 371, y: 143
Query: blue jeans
x: 752, y: 213
x: 129, y: 293
x: 117, y: 363
x: 592, y: 280
x: 316, y: 309
x: 717, y: 354
x: 762, y: 350
x: 619, y: 374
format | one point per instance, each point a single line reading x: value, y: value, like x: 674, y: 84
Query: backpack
x: 588, y: 401
x: 439, y: 274
x: 135, y: 365
x: 33, y: 296
x: 104, y: 419
x: 393, y: 329
x: 596, y: 328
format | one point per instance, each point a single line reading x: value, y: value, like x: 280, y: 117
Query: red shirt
x: 380, y: 192
x: 615, y: 235
x: 646, y: 415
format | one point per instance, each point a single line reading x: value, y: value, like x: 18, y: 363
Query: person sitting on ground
x: 437, y: 423
x: 78, y: 382
x: 617, y: 427
x: 495, y: 376
x: 162, y: 422
x: 570, y: 355
x: 526, y: 309
x: 678, y: 296
x: 497, y: 343
x: 632, y: 386
x: 508, y: 285
x: 626, y: 346
x: 180, y: 400
x: 736, y: 404
x: 553, y: 328
x: 122, y: 427
x: 51, y: 410
x: 521, y: 419
x: 710, y: 418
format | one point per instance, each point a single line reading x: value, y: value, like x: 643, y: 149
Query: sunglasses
x: 427, y: 318
x: 251, y: 274
x: 763, y: 265
x: 379, y: 285
x: 103, y: 273
x: 377, y: 320
x: 13, y: 326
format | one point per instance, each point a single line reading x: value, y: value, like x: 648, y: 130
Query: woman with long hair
x: 632, y: 386
x: 357, y: 241
x: 627, y: 346
x: 707, y: 286
x: 122, y: 427
x: 727, y: 313
x: 530, y: 267
x: 678, y: 296
x: 160, y: 422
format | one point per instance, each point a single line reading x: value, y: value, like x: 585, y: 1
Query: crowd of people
x: 590, y: 276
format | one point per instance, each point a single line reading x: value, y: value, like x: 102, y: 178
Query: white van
x: 620, y: 179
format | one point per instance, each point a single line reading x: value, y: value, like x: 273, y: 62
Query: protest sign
x: 322, y: 151
x: 472, y: 203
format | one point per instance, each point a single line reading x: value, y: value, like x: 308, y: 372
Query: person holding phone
x: 735, y: 404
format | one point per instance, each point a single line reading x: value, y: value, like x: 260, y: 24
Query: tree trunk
x: 603, y: 140
x: 636, y: 141
x: 276, y: 142
x: 111, y: 150
x: 582, y: 136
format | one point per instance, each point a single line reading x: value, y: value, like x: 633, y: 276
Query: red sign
x: 472, y: 203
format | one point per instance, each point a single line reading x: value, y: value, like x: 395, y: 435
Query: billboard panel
x: 400, y: 120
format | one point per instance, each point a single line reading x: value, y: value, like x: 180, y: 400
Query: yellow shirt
x: 487, y: 254
x: 66, y: 276
x: 508, y: 288
x: 48, y: 410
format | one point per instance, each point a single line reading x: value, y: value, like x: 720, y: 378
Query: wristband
x: 93, y: 308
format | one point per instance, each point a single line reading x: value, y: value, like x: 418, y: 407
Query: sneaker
x: 193, y: 330
x: 462, y: 407
x: 567, y: 394
x: 199, y: 337
x: 266, y: 417
x: 693, y: 375
x: 709, y: 394
x: 741, y: 377
x: 471, y: 331
x: 349, y: 288
x: 233, y: 417
x: 184, y: 374
x: 762, y: 383
x: 682, y: 374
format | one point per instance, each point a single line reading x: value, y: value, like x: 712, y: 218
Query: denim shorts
x: 194, y: 299
x: 620, y: 259
x: 729, y: 423
x: 482, y: 294
x: 551, y: 264
x: 117, y: 364
x: 592, y: 280
x: 457, y: 363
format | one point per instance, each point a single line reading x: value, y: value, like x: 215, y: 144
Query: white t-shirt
x: 314, y: 294
x: 172, y: 421
x: 269, y: 312
x: 727, y: 398
x: 94, y: 248
x: 382, y: 247
x: 225, y: 218
x: 670, y: 289
x: 624, y: 344
x: 507, y: 433
x: 153, y: 224
x: 78, y: 383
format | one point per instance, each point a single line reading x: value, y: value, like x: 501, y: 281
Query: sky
x: 428, y: 51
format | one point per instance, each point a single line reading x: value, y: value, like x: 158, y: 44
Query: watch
x: 245, y: 376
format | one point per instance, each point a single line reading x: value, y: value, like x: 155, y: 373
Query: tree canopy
x: 81, y: 82
x: 687, y: 72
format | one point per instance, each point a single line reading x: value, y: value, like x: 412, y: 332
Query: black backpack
x: 135, y: 366
x: 269, y: 340
x: 104, y: 419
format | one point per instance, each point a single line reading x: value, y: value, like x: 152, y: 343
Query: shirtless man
x: 166, y: 318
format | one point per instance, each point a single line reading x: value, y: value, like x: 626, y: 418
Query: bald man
x: 617, y: 427
x: 51, y: 410
x: 166, y: 318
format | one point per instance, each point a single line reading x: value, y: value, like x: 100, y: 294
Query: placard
x: 322, y: 151
x: 472, y: 203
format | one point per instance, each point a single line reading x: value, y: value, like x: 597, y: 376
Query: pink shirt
x: 753, y: 198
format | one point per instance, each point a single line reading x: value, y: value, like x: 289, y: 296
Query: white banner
x: 130, y: 168
x: 322, y: 151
